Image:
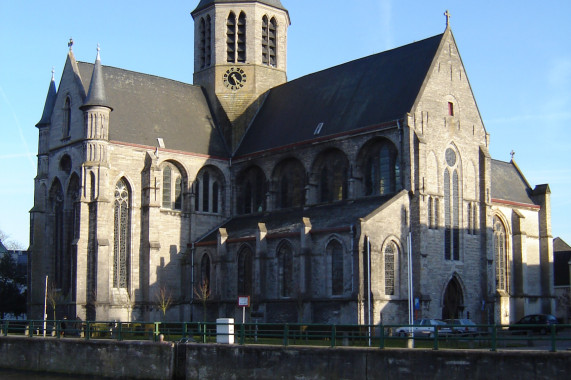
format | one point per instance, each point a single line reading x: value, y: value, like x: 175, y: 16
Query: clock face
x: 234, y: 78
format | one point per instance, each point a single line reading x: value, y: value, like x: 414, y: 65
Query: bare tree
x: 164, y: 299
x: 203, y: 293
x: 54, y: 297
x: 8, y: 243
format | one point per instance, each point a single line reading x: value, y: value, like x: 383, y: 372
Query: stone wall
x: 149, y: 360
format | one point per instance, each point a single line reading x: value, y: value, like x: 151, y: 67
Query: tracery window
x: 245, y: 272
x: 451, y: 207
x: 208, y: 191
x: 381, y: 169
x: 285, y: 270
x: 391, y: 266
x: 500, y: 253
x: 335, y: 252
x: 172, y: 187
x: 122, y: 234
x: 269, y: 41
x: 236, y: 38
x: 252, y: 188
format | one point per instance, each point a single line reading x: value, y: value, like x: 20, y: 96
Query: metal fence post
x: 494, y: 343
x: 87, y: 330
x: 382, y: 335
x: 435, y: 345
x: 553, y: 338
x: 242, y: 333
x: 120, y: 331
x: 333, y: 335
x: 202, y: 328
x: 286, y: 333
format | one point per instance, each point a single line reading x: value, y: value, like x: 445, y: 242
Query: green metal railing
x: 489, y: 337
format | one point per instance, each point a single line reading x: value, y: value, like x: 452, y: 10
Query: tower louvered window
x: 205, y: 41
x: 122, y: 228
x: 236, y: 38
x: 269, y: 41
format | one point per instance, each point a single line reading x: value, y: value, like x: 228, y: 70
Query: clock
x: 234, y: 78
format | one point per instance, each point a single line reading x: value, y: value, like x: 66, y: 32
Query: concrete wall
x: 126, y: 360
x: 149, y: 360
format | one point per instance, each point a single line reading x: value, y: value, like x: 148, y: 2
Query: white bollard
x: 225, y: 330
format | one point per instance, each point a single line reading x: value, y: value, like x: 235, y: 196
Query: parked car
x: 536, y: 322
x: 423, y: 327
x: 462, y: 326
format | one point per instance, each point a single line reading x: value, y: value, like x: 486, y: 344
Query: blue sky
x: 517, y: 55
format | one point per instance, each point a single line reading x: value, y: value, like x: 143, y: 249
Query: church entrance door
x: 453, y: 304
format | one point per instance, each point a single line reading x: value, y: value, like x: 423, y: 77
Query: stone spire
x: 206, y: 3
x: 49, y: 105
x: 96, y: 95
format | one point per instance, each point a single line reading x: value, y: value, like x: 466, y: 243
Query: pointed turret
x: 96, y: 95
x: 49, y: 104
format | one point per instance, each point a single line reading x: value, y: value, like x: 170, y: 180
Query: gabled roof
x: 206, y: 3
x: 146, y: 107
x: 365, y: 92
x: 509, y: 184
x: 322, y: 217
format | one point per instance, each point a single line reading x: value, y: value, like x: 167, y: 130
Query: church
x: 326, y: 199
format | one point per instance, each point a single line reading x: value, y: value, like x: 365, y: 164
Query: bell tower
x: 239, y: 53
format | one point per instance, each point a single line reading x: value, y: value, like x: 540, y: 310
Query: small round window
x: 450, y: 157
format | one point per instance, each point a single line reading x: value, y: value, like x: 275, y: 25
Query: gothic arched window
x: 290, y: 178
x: 57, y: 208
x: 205, y: 43
x: 451, y: 207
x: 500, y: 254
x: 172, y: 187
x: 205, y: 272
x: 332, y: 168
x: 122, y: 234
x: 285, y: 270
x: 391, y: 268
x: 236, y: 38
x: 335, y: 252
x: 251, y: 184
x: 381, y: 167
x: 66, y: 130
x: 245, y: 272
x: 269, y: 41
x: 208, y: 191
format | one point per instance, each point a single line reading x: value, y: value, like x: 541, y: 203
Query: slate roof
x: 205, y: 3
x: 509, y: 184
x: 561, y: 258
x: 322, y: 216
x: 365, y: 92
x: 146, y: 107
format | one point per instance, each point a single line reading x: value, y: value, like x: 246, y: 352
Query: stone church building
x: 308, y: 196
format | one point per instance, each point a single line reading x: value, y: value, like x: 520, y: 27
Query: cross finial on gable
x: 512, y: 153
x: 70, y: 44
x: 448, y: 15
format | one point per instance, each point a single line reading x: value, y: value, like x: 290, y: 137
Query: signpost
x: 243, y: 302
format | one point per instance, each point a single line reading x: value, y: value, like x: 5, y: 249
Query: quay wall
x: 150, y: 360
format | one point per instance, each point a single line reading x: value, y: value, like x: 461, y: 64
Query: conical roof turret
x: 96, y: 95
x: 49, y: 104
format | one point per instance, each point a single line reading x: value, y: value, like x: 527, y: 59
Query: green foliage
x: 12, y: 298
